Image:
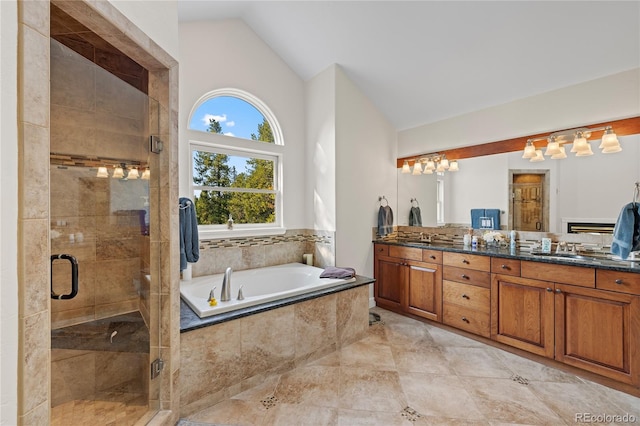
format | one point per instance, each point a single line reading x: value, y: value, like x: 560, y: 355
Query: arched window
x: 236, y: 164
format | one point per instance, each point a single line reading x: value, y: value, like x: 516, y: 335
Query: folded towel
x: 385, y: 220
x: 189, y: 244
x: 626, y: 233
x: 335, y: 272
x: 415, y: 217
x: 493, y: 214
x: 476, y: 214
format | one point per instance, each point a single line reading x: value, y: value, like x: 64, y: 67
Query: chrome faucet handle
x: 240, y: 294
x: 212, y: 295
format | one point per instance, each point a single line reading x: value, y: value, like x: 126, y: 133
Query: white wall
x: 228, y: 54
x: 321, y: 150
x: 365, y: 169
x: 608, y: 98
x: 8, y: 213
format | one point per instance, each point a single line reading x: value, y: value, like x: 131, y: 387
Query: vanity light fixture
x: 417, y: 168
x: 146, y: 175
x: 102, y: 172
x: 133, y: 173
x: 118, y: 173
x: 432, y: 163
x: 578, y: 138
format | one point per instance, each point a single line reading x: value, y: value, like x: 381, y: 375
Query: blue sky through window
x: 237, y: 117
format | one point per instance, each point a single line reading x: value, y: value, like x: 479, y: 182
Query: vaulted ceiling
x: 423, y: 61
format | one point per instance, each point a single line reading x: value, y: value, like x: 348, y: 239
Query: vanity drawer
x: 432, y: 256
x: 470, y: 261
x: 473, y: 321
x: 381, y: 249
x: 468, y: 296
x: 624, y: 282
x: 410, y: 253
x: 467, y: 276
x: 500, y: 265
x: 575, y: 275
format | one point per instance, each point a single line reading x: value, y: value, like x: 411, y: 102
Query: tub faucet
x: 225, y: 295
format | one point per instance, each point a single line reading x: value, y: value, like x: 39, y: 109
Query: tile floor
x: 406, y: 372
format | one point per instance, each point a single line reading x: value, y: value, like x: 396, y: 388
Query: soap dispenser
x: 230, y: 222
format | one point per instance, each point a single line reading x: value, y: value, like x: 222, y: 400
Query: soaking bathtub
x: 259, y: 286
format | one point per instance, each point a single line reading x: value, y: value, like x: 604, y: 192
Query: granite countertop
x: 189, y: 320
x: 588, y: 259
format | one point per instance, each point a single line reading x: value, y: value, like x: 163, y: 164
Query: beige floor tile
x: 439, y: 396
x: 370, y: 390
x: 508, y: 401
x: 261, y: 391
x: 367, y: 354
x: 302, y: 415
x: 422, y: 360
x: 534, y: 371
x: 476, y: 362
x: 314, y: 385
x: 371, y: 418
x: 448, y: 339
x: 232, y: 412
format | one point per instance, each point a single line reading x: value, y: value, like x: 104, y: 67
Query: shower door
x: 102, y: 320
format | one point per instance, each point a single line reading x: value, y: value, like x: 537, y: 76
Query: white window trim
x: 206, y: 141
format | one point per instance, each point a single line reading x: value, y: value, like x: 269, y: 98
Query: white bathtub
x: 258, y: 286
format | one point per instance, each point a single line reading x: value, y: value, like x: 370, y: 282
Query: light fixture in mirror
x: 405, y: 167
x: 102, y: 172
x: 578, y: 138
x: 118, y: 173
x: 146, y: 175
x: 432, y: 163
x: 133, y: 173
x: 453, y: 167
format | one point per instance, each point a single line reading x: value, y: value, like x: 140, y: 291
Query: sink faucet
x: 225, y: 295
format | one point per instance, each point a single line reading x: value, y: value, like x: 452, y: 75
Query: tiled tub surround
x: 258, y: 252
x: 225, y: 359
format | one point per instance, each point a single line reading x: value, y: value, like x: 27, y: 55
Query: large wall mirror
x: 590, y: 189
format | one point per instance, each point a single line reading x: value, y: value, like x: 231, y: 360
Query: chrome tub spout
x: 226, y: 286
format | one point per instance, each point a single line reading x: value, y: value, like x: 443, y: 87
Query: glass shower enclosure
x: 103, y: 318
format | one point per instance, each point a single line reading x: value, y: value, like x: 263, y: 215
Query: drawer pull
x: 465, y: 261
x: 504, y: 267
x: 432, y: 257
x: 464, y: 296
x: 558, y: 291
x: 465, y: 319
x: 618, y: 281
x: 466, y: 277
x: 549, y: 289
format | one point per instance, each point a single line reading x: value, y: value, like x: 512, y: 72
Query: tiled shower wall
x: 258, y: 252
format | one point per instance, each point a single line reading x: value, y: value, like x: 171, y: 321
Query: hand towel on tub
x: 476, y: 214
x: 415, y: 217
x: 495, y: 215
x: 335, y: 272
x: 626, y: 232
x: 189, y: 244
x: 385, y: 220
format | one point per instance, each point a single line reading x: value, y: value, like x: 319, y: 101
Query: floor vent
x: 520, y: 379
x: 410, y: 414
x: 269, y: 402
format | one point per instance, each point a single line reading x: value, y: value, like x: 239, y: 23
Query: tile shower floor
x: 406, y: 372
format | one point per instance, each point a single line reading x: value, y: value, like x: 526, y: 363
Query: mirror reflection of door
x: 528, y: 199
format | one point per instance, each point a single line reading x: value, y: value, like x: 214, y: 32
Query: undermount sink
x: 564, y: 256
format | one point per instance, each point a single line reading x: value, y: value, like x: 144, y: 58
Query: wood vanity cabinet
x: 522, y: 313
x: 408, y: 279
x: 598, y: 331
x: 466, y: 292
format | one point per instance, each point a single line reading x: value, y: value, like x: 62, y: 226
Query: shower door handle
x: 74, y: 276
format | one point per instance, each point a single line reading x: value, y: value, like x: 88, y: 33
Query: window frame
x: 231, y: 145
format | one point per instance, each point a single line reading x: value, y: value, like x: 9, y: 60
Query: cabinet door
x: 522, y: 313
x: 390, y: 279
x: 424, y: 291
x: 598, y: 331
